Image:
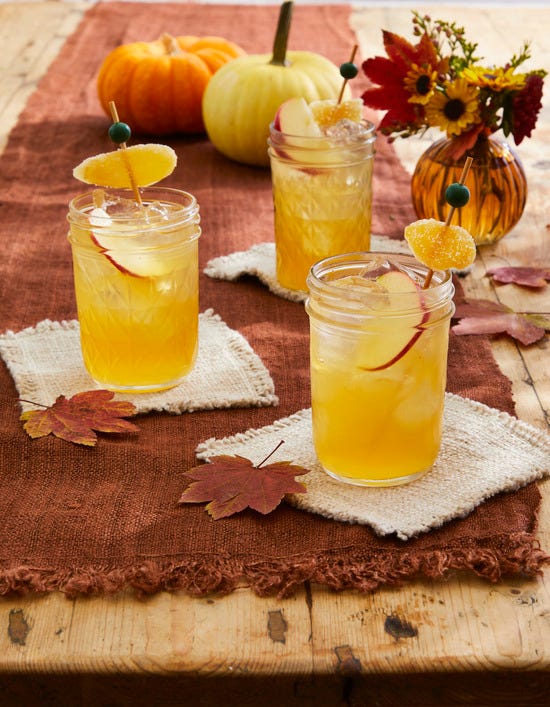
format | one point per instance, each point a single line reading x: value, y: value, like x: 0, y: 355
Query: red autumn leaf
x: 75, y: 419
x: 233, y: 483
x: 515, y: 325
x: 478, y: 308
x: 487, y: 317
x: 528, y: 277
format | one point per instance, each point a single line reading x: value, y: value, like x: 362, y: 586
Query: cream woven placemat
x: 484, y: 451
x: 45, y: 361
x: 259, y: 261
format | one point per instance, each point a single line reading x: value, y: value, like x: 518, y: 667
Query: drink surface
x: 136, y: 285
x: 377, y: 389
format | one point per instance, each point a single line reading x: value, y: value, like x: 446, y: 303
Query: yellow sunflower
x: 420, y: 83
x: 455, y: 108
x: 496, y: 78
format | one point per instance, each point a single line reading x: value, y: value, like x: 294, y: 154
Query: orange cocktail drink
x: 378, y: 366
x: 322, y: 194
x: 136, y: 285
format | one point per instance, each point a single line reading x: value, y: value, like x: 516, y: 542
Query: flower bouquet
x: 439, y: 82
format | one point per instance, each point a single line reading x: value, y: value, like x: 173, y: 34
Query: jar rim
x: 81, y: 205
x: 326, y: 296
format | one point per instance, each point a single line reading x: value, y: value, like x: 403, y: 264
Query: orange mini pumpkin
x: 158, y: 86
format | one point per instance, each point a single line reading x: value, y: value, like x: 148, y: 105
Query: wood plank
x: 31, y: 35
x: 166, y: 633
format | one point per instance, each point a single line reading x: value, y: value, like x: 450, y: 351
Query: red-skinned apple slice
x: 121, y: 251
x: 126, y: 260
x: 294, y: 117
x: 294, y: 120
x: 402, y: 289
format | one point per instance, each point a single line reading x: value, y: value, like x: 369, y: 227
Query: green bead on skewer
x: 457, y: 195
x: 348, y: 70
x: 458, y: 191
x: 120, y: 132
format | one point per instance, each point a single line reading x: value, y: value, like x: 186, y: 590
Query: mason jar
x: 136, y: 284
x: 378, y: 366
x: 322, y: 197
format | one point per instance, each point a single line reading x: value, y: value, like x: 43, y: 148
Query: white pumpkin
x: 241, y: 98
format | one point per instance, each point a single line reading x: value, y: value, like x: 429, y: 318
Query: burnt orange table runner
x: 87, y: 520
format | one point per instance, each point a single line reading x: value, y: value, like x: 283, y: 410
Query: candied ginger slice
x: 148, y: 164
x: 440, y: 247
x: 328, y: 112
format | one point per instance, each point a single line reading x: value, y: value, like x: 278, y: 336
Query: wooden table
x: 463, y: 641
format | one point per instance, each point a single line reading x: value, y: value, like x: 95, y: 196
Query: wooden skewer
x: 428, y: 279
x: 122, y: 147
x: 462, y: 179
x: 344, y: 84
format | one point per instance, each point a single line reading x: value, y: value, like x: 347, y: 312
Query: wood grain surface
x: 461, y: 642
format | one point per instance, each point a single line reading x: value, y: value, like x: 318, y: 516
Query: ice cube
x: 99, y: 217
x: 358, y: 289
x: 345, y: 131
x: 155, y: 209
x: 410, y: 271
x: 119, y: 207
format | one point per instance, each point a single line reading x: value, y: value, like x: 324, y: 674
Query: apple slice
x: 121, y: 250
x: 394, y: 340
x: 397, y: 282
x: 124, y: 257
x: 298, y: 127
x: 294, y: 117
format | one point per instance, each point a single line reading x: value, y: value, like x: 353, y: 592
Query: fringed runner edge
x: 511, y: 555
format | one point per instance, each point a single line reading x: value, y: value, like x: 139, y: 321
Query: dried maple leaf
x: 233, y: 483
x: 75, y: 419
x: 487, y: 317
x: 528, y: 277
x: 477, y: 308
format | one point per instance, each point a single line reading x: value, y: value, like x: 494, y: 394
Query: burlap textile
x: 45, y: 361
x: 483, y: 451
x: 96, y: 520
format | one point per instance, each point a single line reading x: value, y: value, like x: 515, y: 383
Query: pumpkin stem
x: 281, y: 35
x: 170, y: 44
